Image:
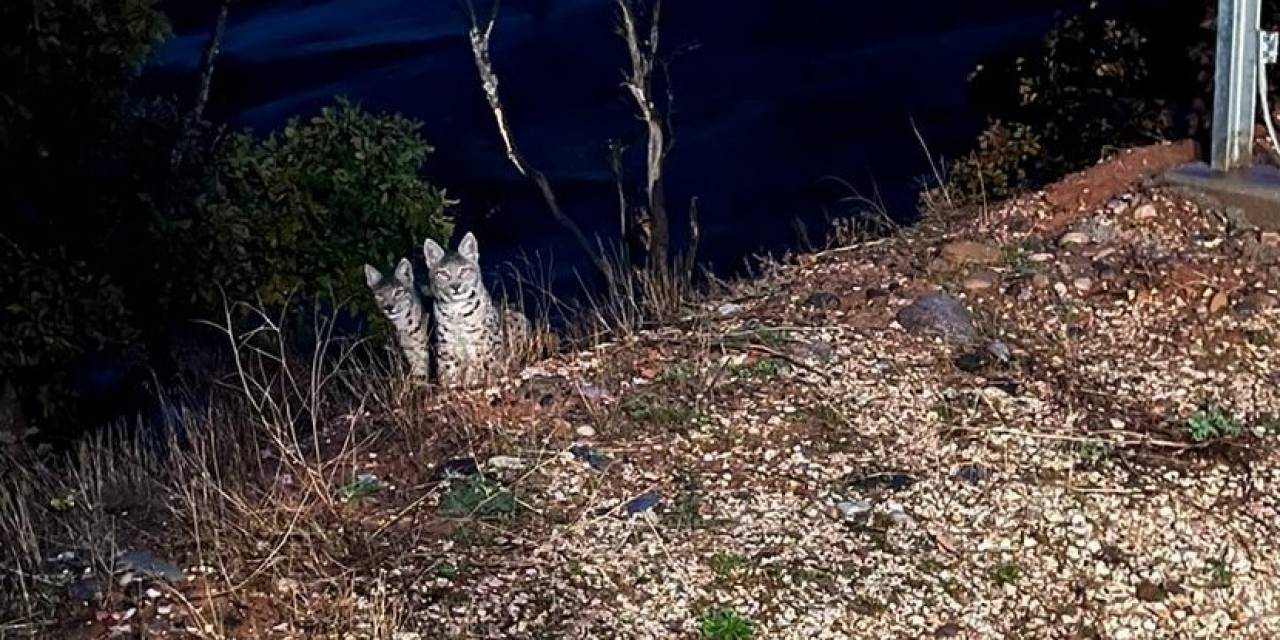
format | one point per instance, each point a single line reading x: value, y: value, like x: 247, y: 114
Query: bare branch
x: 207, y: 59
x: 480, y: 40
x: 639, y: 84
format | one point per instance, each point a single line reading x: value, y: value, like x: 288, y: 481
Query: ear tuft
x: 469, y: 248
x: 371, y: 276
x: 433, y: 252
x: 404, y: 272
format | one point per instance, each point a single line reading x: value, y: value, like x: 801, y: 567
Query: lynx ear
x: 433, y: 252
x: 404, y: 272
x: 371, y: 276
x: 468, y: 248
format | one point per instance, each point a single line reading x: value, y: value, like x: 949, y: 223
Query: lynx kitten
x: 473, y: 337
x: 399, y: 301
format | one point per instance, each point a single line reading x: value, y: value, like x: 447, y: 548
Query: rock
x: 641, y: 503
x: 1117, y: 206
x: 1218, y: 302
x: 899, y: 515
x: 1236, y: 218
x: 85, y: 589
x: 1074, y: 238
x: 822, y: 300
x: 593, y: 392
x: 1149, y: 591
x: 948, y: 630
x: 287, y: 585
x: 980, y: 281
x: 728, y: 309
x: 585, y: 431
x: 1040, y: 258
x: 811, y: 350
x: 971, y: 473
x: 999, y: 350
x: 1083, y: 285
x: 147, y: 564
x: 1040, y: 281
x: 851, y: 510
x: 1145, y: 212
x: 938, y: 314
x: 543, y: 389
x: 1254, y: 303
x: 506, y: 463
x: 1099, y: 232
x: 1270, y: 239
x: 970, y: 362
x: 963, y: 252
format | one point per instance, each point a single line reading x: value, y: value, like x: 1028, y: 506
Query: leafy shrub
x: 110, y: 245
x: 1000, y: 166
x: 1116, y: 75
x: 65, y: 62
x: 305, y: 207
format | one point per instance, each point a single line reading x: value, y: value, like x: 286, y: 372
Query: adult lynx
x: 399, y: 301
x: 473, y: 336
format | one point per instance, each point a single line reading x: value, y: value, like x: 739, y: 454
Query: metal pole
x: 1235, y: 80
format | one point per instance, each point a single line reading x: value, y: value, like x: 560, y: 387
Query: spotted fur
x: 403, y: 307
x: 471, y: 332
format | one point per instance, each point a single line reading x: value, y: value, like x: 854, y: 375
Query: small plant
x: 1006, y: 573
x: 725, y: 625
x: 1018, y: 260
x: 446, y: 570
x: 478, y: 497
x: 1270, y: 425
x: 1211, y: 423
x: 655, y: 410
x: 678, y: 372
x: 685, y: 511
x: 762, y: 369
x: 1220, y: 574
x: 725, y: 565
x: 1091, y: 452
x: 363, y: 486
x: 769, y: 337
x: 1260, y: 338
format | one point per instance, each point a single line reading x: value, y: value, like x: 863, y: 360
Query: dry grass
x: 252, y: 491
x: 246, y: 488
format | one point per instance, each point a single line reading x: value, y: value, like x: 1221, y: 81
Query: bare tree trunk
x: 207, y: 59
x: 489, y: 82
x: 639, y: 83
x: 211, y: 51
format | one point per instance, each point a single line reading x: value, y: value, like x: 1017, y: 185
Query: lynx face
x: 394, y: 295
x: 455, y: 277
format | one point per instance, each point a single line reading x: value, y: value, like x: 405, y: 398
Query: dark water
x: 771, y: 97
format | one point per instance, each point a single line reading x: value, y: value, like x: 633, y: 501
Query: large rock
x: 970, y: 252
x: 938, y: 314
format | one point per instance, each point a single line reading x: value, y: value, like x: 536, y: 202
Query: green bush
x: 1116, y: 75
x: 109, y: 244
x: 302, y: 209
